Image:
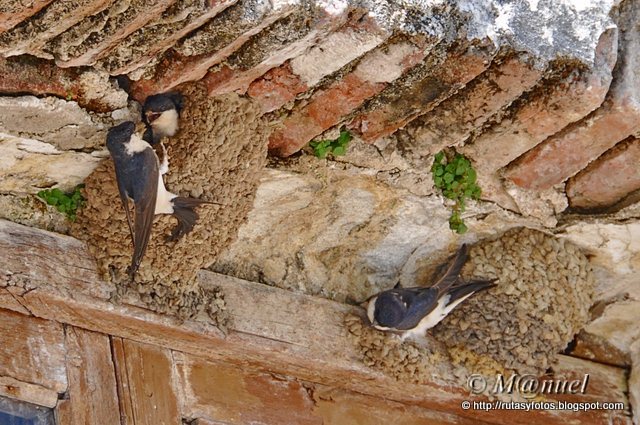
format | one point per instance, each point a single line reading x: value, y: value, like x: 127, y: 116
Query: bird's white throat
x: 135, y: 145
x: 166, y: 124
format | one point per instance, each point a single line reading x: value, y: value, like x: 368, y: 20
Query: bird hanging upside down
x: 412, y: 311
x: 139, y: 178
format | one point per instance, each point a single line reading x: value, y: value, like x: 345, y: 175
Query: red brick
x: 553, y: 104
x: 327, y: 107
x: 283, y: 84
x: 609, y: 179
x: 10, y: 18
x: 175, y: 68
x: 53, y: 20
x: 41, y: 77
x: 280, y: 42
x: 129, y: 55
x: 116, y: 28
x: 453, y: 120
x: 277, y: 87
x: 414, y: 98
x: 564, y: 154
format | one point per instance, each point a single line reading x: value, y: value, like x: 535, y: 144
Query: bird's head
x: 119, y: 135
x: 386, y: 310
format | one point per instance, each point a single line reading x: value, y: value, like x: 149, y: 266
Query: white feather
x: 433, y: 318
x: 163, y: 199
x: 166, y: 124
x: 135, y: 145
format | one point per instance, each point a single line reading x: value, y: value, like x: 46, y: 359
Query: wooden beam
x: 92, y: 381
x: 32, y: 351
x: 271, y: 329
x: 146, y: 384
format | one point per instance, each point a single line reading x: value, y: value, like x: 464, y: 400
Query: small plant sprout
x: 456, y: 178
x: 66, y: 203
x: 336, y: 147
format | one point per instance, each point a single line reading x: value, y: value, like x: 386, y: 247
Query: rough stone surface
x: 91, y: 89
x: 216, y: 156
x: 140, y: 47
x: 566, y: 153
x: 355, y: 233
x: 608, y: 180
x: 63, y: 125
x: 533, y: 118
x: 327, y: 107
x: 86, y: 41
x: 192, y: 56
x: 32, y: 211
x: 29, y: 165
x: 545, y: 288
x: 11, y: 15
x: 456, y: 118
x: 30, y: 36
x: 283, y: 84
x: 422, y: 88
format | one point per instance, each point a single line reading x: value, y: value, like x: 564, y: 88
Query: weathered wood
x: 24, y: 391
x: 122, y: 378
x: 146, y: 384
x: 92, y: 381
x: 32, y: 351
x: 275, y: 330
x: 229, y: 394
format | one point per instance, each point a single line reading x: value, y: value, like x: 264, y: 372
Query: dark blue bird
x: 411, y: 311
x: 138, y: 176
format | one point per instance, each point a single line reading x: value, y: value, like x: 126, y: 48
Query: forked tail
x: 184, y: 209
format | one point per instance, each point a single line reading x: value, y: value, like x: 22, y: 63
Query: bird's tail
x: 184, y: 211
x: 465, y: 289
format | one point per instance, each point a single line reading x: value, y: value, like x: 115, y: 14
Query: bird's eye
x: 152, y: 116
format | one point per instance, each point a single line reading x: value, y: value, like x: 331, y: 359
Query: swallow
x: 160, y: 114
x: 412, y: 311
x: 138, y: 178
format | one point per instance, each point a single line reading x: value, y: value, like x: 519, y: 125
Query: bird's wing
x: 124, y: 197
x: 145, y: 194
x: 452, y: 273
x: 419, y: 302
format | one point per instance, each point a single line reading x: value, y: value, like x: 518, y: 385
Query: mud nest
x: 545, y: 289
x: 542, y: 300
x: 406, y: 361
x: 217, y: 155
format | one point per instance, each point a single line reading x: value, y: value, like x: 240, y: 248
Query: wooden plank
x: 146, y: 384
x: 92, y: 382
x: 122, y: 379
x: 284, y: 333
x: 32, y: 351
x: 24, y: 391
x: 225, y: 394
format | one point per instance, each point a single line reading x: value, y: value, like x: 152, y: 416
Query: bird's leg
x: 164, y: 167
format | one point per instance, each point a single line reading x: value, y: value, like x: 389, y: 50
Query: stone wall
x: 542, y: 96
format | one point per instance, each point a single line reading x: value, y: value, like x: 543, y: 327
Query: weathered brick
x: 143, y: 45
x: 327, y: 107
x: 425, y: 86
x: 453, y: 120
x: 281, y: 41
x: 89, y: 88
x: 12, y: 15
x: 564, y: 154
x: 192, y: 57
x: 607, y: 180
x: 554, y: 103
x: 283, y: 84
x: 92, y: 37
x: 31, y: 35
x: 277, y: 87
